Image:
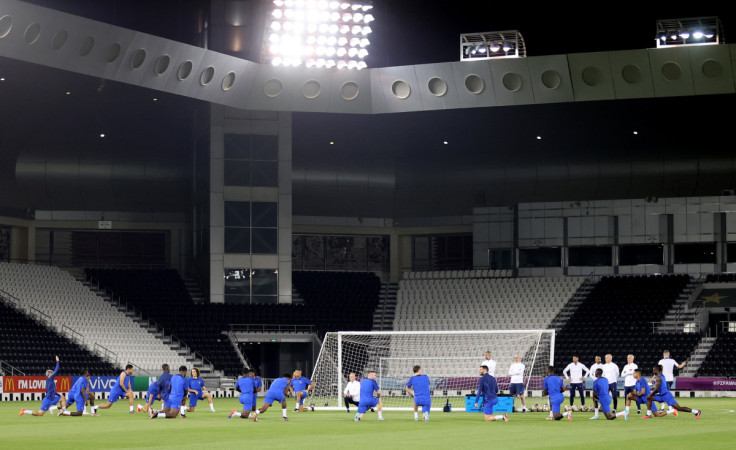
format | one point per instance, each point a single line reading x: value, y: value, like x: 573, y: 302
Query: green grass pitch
x: 116, y: 428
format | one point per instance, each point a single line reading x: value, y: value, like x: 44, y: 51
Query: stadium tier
x: 617, y: 317
x: 721, y: 359
x: 72, y: 307
x: 332, y: 301
x: 30, y: 347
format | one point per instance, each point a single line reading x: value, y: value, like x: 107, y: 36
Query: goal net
x: 451, y: 359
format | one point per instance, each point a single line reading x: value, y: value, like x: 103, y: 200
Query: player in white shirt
x: 516, y: 386
x: 630, y: 381
x: 352, y: 392
x: 575, y: 373
x: 611, y: 373
x: 491, y: 364
x: 668, y: 365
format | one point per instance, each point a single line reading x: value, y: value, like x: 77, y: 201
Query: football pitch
x: 116, y: 428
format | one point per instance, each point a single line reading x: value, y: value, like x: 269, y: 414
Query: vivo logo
x: 102, y: 384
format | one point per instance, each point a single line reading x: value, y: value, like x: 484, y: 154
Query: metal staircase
x: 383, y: 316
x: 697, y: 357
x: 681, y: 314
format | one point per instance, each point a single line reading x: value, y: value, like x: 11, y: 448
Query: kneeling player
x: 418, y: 388
x: 661, y: 393
x: 554, y: 387
x: 488, y: 391
x: 602, y: 396
x: 51, y: 399
x: 77, y: 394
x: 639, y: 394
x: 177, y: 390
x: 246, y: 388
x: 276, y: 393
x: 152, y: 395
x: 198, y: 391
x: 368, y: 385
x: 299, y: 387
x: 122, y: 389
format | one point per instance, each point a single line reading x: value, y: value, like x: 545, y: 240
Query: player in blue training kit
x: 51, y: 398
x: 161, y: 389
x: 177, y: 392
x: 554, y: 387
x: 198, y: 391
x: 367, y: 401
x: 122, y: 389
x: 278, y: 392
x: 488, y: 391
x: 257, y: 386
x: 246, y: 388
x: 639, y: 394
x: 661, y: 393
x: 602, y: 396
x: 77, y: 394
x: 299, y: 387
x: 418, y: 387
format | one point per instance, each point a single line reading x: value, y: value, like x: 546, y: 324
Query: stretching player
x: 554, y: 387
x: 51, y: 398
x: 122, y: 389
x: 630, y: 381
x: 299, y: 388
x: 601, y: 396
x: 198, y: 391
x: 576, y: 372
x: 611, y: 373
x: 488, y: 390
x: 516, y: 386
x: 418, y: 388
x: 77, y: 394
x: 661, y: 393
x: 352, y: 393
x: 177, y: 391
x: 257, y: 386
x: 639, y: 394
x: 277, y: 392
x: 368, y: 385
x: 152, y: 395
x: 246, y: 389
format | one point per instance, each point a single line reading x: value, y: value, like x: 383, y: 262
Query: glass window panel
x: 237, y: 214
x: 701, y: 253
x: 237, y: 240
x: 237, y: 173
x: 237, y: 281
x: 631, y: 255
x: 540, y: 257
x: 237, y: 146
x: 590, y: 256
x: 265, y: 282
x: 265, y: 148
x: 265, y: 240
x: 265, y: 173
x: 265, y: 215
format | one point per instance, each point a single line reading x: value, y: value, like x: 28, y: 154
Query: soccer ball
x: 535, y: 408
x: 567, y: 408
x: 576, y: 408
x: 585, y: 408
x: 545, y: 408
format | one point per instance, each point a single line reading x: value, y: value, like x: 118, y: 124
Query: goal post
x: 451, y: 359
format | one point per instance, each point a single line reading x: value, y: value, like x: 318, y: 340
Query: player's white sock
x: 565, y: 414
x: 649, y: 412
x: 551, y: 414
x: 51, y: 409
x: 185, y: 408
x: 161, y: 415
x: 131, y: 408
x: 84, y: 412
x: 380, y: 414
x: 67, y: 413
x: 499, y: 417
x: 596, y: 412
x: 236, y: 414
x: 212, y: 407
x: 28, y: 411
x: 416, y: 415
x: 283, y: 412
x: 695, y: 411
x: 627, y: 409
x: 621, y: 414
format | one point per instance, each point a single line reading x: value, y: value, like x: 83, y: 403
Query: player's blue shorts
x: 643, y: 399
x: 556, y: 401
x: 193, y: 399
x: 173, y: 402
x: 116, y: 394
x: 516, y: 388
x: 666, y: 398
x: 424, y: 401
x: 488, y: 407
x: 605, y: 403
x: 365, y: 405
x: 246, y: 400
x: 48, y: 402
x: 78, y: 398
x: 274, y: 398
x: 305, y: 394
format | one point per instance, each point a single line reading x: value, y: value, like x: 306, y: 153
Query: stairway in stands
x: 383, y: 317
x: 698, y: 356
x: 680, y: 312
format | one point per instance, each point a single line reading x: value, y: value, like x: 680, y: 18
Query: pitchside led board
x: 17, y: 384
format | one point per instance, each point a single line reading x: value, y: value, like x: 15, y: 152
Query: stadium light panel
x: 299, y: 30
x: 689, y: 31
x: 489, y: 45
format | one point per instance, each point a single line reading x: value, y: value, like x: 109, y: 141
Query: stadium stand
x: 72, y: 306
x: 721, y: 358
x: 617, y: 318
x: 30, y: 346
x: 332, y: 301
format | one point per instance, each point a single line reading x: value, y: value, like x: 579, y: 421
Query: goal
x: 450, y: 358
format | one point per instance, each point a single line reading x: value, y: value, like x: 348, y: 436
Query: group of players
x: 172, y: 390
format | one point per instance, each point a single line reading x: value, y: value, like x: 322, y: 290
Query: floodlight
x: 689, y: 31
x: 487, y: 45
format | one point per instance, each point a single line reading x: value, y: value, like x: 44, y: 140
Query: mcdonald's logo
x: 9, y: 384
x: 63, y: 384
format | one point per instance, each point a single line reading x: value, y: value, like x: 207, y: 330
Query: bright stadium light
x: 690, y: 31
x: 492, y: 45
x: 318, y: 33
